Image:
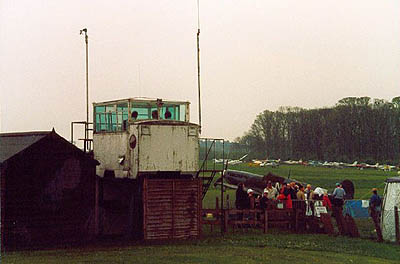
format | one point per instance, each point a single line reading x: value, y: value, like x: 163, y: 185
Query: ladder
x: 208, y: 169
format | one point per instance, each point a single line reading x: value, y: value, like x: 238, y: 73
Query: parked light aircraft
x: 293, y: 162
x: 265, y: 163
x: 231, y: 162
x: 272, y: 164
x: 352, y: 165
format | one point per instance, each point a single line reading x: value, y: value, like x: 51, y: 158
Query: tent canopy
x: 391, y: 199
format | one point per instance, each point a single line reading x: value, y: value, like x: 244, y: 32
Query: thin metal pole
x: 396, y: 224
x: 198, y: 60
x: 222, y: 195
x: 87, y: 91
x: 87, y: 78
x: 85, y: 142
x: 72, y: 132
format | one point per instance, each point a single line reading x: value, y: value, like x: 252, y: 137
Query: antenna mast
x: 85, y: 145
x: 198, y: 59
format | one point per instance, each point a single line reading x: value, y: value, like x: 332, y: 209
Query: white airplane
x: 235, y: 162
x: 272, y: 164
x: 368, y: 166
x: 231, y: 162
x: 350, y: 165
x: 292, y: 162
x: 333, y: 164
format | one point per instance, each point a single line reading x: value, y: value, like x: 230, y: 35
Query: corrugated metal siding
x: 171, y: 209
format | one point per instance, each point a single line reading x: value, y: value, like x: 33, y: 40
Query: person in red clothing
x: 282, y: 195
x: 289, y: 204
x: 326, y: 202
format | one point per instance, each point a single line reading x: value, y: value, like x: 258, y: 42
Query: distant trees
x: 356, y: 128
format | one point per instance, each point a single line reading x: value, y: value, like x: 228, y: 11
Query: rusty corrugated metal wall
x: 171, y: 208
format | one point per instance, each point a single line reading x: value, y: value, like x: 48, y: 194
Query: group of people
x: 248, y: 200
x: 286, y: 195
x: 292, y: 191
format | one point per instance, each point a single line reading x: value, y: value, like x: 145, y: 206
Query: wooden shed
x: 151, y: 208
x: 47, y: 190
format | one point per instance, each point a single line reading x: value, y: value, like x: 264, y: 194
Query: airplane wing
x: 242, y: 158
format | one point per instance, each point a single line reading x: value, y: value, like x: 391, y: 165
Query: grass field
x: 251, y: 246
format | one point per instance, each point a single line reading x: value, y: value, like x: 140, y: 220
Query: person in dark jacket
x: 375, y: 203
x: 264, y: 200
x: 241, y: 197
x: 291, y: 190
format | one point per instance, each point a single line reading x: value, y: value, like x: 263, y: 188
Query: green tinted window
x: 168, y: 112
x: 111, y: 118
x: 173, y: 112
x: 142, y: 112
x: 100, y: 118
x: 100, y: 109
x: 182, y: 113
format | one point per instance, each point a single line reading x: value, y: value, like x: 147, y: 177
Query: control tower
x: 135, y: 137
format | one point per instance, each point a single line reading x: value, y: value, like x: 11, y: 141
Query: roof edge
x: 31, y: 133
x: 393, y: 179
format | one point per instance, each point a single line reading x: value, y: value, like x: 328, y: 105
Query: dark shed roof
x: 393, y: 179
x: 13, y: 143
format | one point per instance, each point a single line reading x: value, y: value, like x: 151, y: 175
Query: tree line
x: 356, y: 128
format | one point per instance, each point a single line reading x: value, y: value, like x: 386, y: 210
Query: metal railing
x: 88, y: 138
x: 209, y: 169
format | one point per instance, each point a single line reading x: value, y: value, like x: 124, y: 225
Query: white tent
x: 391, y: 199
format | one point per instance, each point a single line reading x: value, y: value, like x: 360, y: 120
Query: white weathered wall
x: 168, y: 148
x: 158, y: 148
x: 107, y: 148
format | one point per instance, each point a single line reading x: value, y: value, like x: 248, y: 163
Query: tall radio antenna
x: 84, y: 32
x: 198, y: 59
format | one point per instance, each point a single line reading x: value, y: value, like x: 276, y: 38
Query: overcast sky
x: 255, y: 55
